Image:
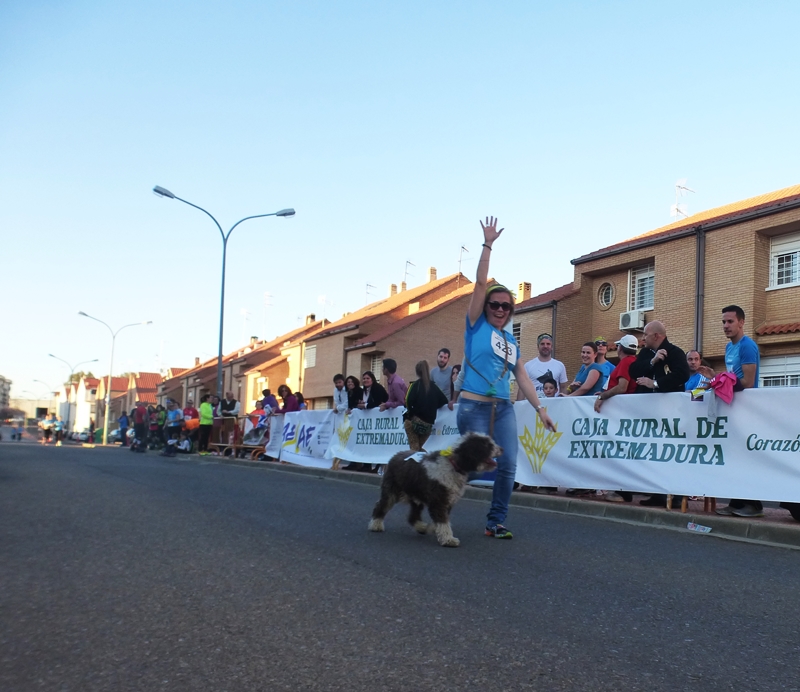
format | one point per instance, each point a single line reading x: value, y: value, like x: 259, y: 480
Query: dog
x: 438, y: 481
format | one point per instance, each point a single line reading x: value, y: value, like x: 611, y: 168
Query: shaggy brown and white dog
x: 437, y: 481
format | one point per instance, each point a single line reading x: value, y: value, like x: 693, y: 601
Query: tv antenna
x: 406, y: 273
x: 323, y: 301
x: 680, y: 209
x: 367, y: 294
x: 267, y: 305
x: 460, y: 256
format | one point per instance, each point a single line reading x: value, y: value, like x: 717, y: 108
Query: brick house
x: 408, y: 326
x: 240, y: 369
x: 746, y: 253
x: 119, y: 392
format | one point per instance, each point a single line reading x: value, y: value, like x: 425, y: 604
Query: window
x: 780, y: 371
x: 605, y: 296
x: 376, y: 365
x: 642, y: 282
x: 516, y: 330
x: 784, y: 260
x: 310, y: 357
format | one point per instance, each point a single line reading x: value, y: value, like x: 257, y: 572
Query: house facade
x: 408, y: 326
x: 746, y: 253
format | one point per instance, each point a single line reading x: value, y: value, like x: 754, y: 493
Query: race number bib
x: 504, y: 349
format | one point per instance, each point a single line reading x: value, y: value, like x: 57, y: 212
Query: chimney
x: 311, y: 318
x: 196, y: 361
x: 402, y: 286
x: 392, y: 290
x: 253, y: 340
x: 431, y: 274
x: 523, y: 291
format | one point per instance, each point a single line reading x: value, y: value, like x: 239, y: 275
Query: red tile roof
x: 118, y: 384
x: 381, y: 307
x: 786, y: 328
x: 776, y: 199
x: 404, y: 322
x: 548, y: 297
x: 91, y: 382
x: 147, y: 380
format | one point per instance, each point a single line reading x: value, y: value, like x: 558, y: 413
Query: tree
x: 78, y: 376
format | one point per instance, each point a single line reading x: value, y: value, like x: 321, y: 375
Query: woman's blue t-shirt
x: 583, y: 373
x: 486, y: 351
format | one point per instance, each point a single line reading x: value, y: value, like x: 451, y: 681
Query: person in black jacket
x: 373, y: 394
x: 659, y: 367
x: 354, y: 393
x: 423, y: 400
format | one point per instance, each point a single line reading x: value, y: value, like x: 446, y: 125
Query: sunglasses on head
x: 497, y: 305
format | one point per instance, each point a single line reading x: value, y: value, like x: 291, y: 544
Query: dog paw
x: 376, y: 525
x: 421, y: 527
x: 451, y: 543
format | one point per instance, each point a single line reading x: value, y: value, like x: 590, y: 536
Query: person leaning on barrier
x: 660, y: 367
x: 396, y: 386
x: 339, y: 394
x: 423, y: 400
x: 743, y: 359
x: 620, y: 382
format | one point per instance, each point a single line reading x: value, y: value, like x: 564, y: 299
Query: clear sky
x: 390, y: 127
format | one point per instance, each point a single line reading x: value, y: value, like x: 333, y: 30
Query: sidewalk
x: 777, y: 528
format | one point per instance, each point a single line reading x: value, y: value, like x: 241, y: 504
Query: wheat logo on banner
x: 343, y: 431
x: 538, y: 446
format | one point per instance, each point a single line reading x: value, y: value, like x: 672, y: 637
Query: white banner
x: 306, y: 437
x: 649, y: 443
x: 667, y: 443
x: 273, y: 449
x: 374, y: 436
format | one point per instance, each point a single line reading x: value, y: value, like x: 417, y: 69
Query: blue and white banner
x: 650, y: 443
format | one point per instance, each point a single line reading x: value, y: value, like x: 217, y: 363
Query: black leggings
x: 205, y: 435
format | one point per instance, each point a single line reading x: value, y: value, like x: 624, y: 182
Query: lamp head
x: 83, y: 314
x: 285, y: 212
x: 163, y: 192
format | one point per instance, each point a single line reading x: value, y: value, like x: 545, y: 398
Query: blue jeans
x: 474, y: 416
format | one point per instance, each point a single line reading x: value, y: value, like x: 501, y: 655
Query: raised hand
x: 490, y: 232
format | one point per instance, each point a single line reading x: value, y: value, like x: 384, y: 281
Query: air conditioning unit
x: 633, y: 319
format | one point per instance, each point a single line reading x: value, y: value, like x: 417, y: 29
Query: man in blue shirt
x: 696, y: 379
x: 742, y: 359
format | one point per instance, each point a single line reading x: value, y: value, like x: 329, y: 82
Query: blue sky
x: 390, y: 127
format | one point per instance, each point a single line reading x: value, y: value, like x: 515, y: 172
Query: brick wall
x: 419, y: 341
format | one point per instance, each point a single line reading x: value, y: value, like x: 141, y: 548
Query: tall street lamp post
x: 111, y: 364
x: 72, y: 369
x: 161, y: 192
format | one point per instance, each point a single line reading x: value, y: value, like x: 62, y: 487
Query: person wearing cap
x: 544, y: 366
x: 620, y: 382
x: 605, y: 366
x: 491, y: 354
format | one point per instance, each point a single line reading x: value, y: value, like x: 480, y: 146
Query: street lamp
x: 162, y: 192
x: 72, y: 369
x: 111, y: 364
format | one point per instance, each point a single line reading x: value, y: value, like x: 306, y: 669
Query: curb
x: 763, y: 533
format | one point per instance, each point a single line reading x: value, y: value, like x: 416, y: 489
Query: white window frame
x: 634, y: 275
x: 516, y: 330
x: 779, y: 371
x: 784, y: 246
x: 310, y: 356
x: 376, y: 365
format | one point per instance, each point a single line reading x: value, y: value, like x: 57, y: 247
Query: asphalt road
x: 135, y: 572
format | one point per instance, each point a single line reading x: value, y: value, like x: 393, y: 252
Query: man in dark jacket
x: 659, y: 367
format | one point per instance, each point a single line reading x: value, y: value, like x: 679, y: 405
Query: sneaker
x: 725, y: 511
x: 614, y: 497
x: 498, y: 531
x: 748, y: 511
